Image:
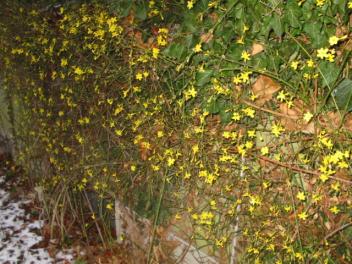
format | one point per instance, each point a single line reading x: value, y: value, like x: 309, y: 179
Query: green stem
x: 149, y: 258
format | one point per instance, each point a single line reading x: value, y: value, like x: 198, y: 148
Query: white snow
x: 17, y: 235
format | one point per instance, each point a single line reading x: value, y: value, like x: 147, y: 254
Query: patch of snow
x: 17, y: 235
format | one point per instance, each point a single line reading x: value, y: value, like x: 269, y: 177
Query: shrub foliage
x: 227, y: 119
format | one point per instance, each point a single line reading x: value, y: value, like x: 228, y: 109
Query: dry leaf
x: 206, y: 37
x: 144, y: 152
x: 214, y: 17
x: 331, y: 121
x: 264, y: 88
x: 293, y: 121
x: 257, y: 48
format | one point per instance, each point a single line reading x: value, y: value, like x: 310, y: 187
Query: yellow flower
x: 349, y: 4
x: 300, y: 2
x: 251, y: 133
x: 236, y: 116
x: 307, y: 116
x: 109, y: 206
x: 301, y: 196
x: 79, y: 71
x: 240, y: 40
x: 155, y: 167
x: 277, y: 129
x: 145, y: 74
x: 245, y: 56
x: 249, y: 112
x: 177, y: 216
x: 342, y: 165
x: 249, y: 144
x: 310, y: 63
x: 294, y: 65
x: 190, y: 4
x: 163, y: 31
x: 245, y: 76
x: 333, y: 40
x: 335, y: 186
x: 264, y: 151
x: 320, y: 2
x: 64, y: 62
x: 237, y: 79
x: 187, y: 175
x: 330, y: 57
x: 161, y: 40
x: 110, y: 101
x: 334, y: 210
x: 299, y: 256
x: 322, y: 53
x: 281, y: 96
x: 160, y: 134
x: 195, y: 149
x: 197, y: 48
x: 139, y: 76
x: 190, y: 93
x: 118, y: 109
x: 324, y: 177
x: 303, y: 216
x: 212, y: 203
x: 170, y: 161
x: 155, y: 52
x: 118, y: 132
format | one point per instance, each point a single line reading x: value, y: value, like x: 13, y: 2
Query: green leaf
x: 343, y: 95
x: 203, y: 77
x: 276, y: 25
x: 213, y: 107
x: 141, y: 11
x: 317, y: 36
x: 225, y: 116
x: 190, y: 22
x: 175, y: 50
x: 330, y: 73
x: 123, y: 7
x: 293, y: 14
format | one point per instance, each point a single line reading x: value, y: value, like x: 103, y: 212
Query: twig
x: 301, y: 170
x: 268, y: 110
x: 337, y: 230
x: 289, y: 166
x: 149, y: 258
x: 237, y: 227
x: 95, y: 221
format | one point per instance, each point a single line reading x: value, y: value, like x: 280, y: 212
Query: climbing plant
x: 225, y: 121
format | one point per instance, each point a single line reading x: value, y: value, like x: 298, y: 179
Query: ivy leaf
x: 190, y: 22
x: 225, y: 116
x: 276, y: 25
x: 330, y: 73
x: 315, y: 33
x: 343, y: 95
x: 213, y: 107
x: 141, y: 11
x: 293, y: 13
x: 175, y: 50
x: 203, y: 77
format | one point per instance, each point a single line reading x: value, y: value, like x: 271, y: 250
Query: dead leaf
x: 257, y: 48
x: 264, y: 88
x: 206, y: 37
x: 294, y: 119
x: 144, y: 152
x: 331, y: 121
x: 214, y: 17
